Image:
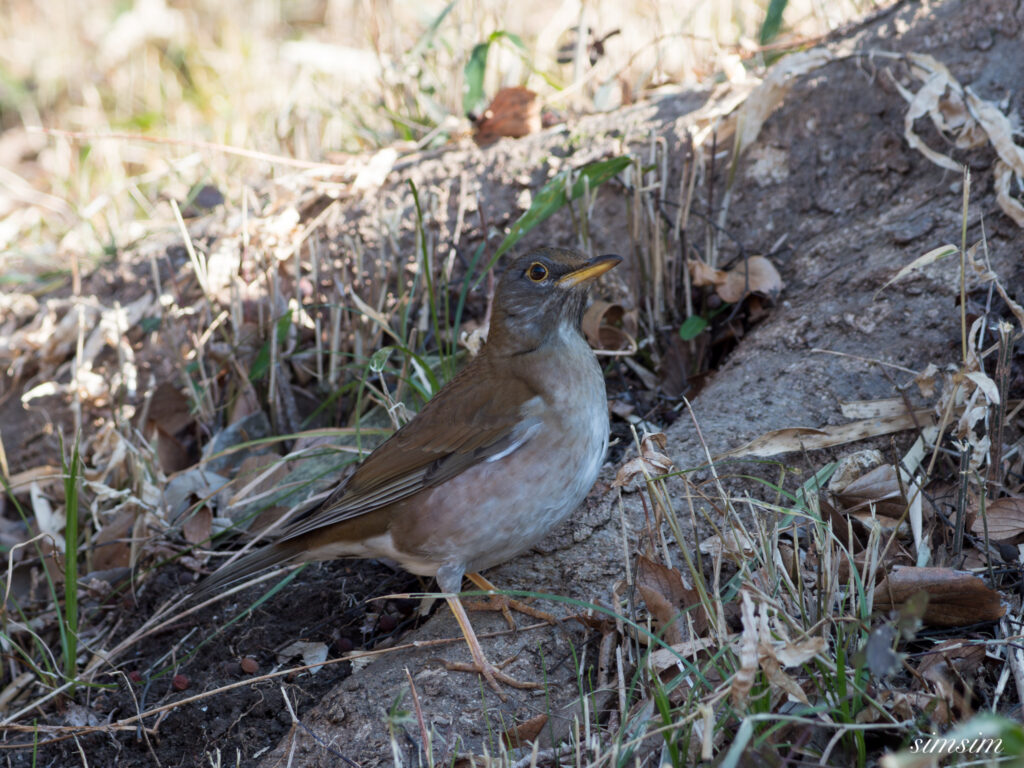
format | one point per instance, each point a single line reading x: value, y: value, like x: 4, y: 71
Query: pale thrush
x: 495, y: 460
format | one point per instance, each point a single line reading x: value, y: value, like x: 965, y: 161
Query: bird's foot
x: 505, y: 604
x: 492, y: 674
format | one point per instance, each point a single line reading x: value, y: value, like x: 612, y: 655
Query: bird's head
x: 541, y: 294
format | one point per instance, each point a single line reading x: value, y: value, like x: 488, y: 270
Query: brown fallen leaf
x: 959, y: 653
x: 1005, y: 520
x: 736, y: 544
x: 514, y: 112
x: 525, y: 733
x: 169, y: 419
x: 878, y: 489
x: 905, y: 706
x: 670, y: 602
x: 197, y: 526
x: 113, y: 547
x: 754, y: 275
x: 792, y: 439
x: 955, y: 598
x: 702, y: 273
x: 607, y: 328
x: 850, y: 531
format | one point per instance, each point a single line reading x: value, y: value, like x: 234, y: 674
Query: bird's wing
x: 459, y: 427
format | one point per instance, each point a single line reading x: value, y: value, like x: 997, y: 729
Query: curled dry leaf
x: 958, y: 653
x: 670, y: 601
x: 514, y: 112
x: 958, y: 112
x: 703, y: 274
x: 955, y: 598
x: 743, y: 680
x: 878, y: 489
x: 853, y: 465
x: 609, y: 328
x: 310, y: 652
x: 650, y: 463
x: 732, y: 542
x: 809, y: 439
x: 1005, y: 520
x: 753, y: 275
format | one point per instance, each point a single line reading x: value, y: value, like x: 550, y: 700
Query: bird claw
x: 506, y: 605
x: 493, y: 675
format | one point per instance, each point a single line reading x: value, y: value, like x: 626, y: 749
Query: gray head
x: 539, y: 293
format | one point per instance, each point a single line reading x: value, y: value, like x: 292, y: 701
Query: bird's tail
x: 281, y: 553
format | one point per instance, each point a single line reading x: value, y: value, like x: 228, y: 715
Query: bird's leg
x: 503, y: 603
x: 449, y: 578
x: 492, y: 674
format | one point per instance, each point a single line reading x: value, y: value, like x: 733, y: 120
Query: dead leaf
x: 702, y: 274
x: 197, y: 527
x: 754, y: 275
x: 650, y: 463
x: 809, y: 439
x: 525, y: 733
x: 734, y: 543
x: 670, y: 601
x: 743, y: 680
x: 958, y: 653
x: 668, y: 658
x: 605, y: 326
x: 113, y: 547
x: 310, y: 652
x: 514, y: 112
x: 879, y: 490
x: 372, y: 175
x: 925, y: 381
x: 853, y: 465
x: 955, y: 598
x: 1005, y: 520
x: 760, y: 104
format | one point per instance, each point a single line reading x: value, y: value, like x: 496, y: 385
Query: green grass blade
x: 772, y: 21
x: 473, y: 78
x: 70, y: 619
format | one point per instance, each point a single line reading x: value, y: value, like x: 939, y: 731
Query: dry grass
x: 295, y: 80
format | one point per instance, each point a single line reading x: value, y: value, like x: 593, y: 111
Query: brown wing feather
x: 457, y: 428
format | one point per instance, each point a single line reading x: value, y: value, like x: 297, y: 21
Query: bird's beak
x: 592, y: 269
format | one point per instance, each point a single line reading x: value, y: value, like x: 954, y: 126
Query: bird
x: 500, y: 456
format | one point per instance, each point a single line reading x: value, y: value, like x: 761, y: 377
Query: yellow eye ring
x: 537, y: 272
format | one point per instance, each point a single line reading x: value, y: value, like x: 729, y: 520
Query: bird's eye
x: 537, y: 272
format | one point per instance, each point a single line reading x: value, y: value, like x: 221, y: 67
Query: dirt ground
x: 830, y: 190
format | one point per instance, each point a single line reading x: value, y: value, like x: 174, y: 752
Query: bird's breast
x: 498, y: 509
